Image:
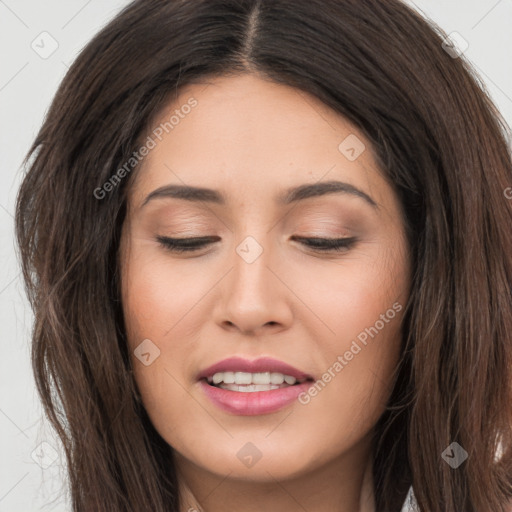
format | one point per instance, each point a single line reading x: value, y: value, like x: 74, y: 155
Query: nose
x: 253, y: 297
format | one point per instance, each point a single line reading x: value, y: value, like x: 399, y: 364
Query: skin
x: 251, y: 139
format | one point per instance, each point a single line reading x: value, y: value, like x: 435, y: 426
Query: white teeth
x: 261, y: 378
x: 290, y: 380
x: 276, y: 378
x: 246, y: 379
x: 242, y: 378
x: 249, y: 388
x: 229, y: 378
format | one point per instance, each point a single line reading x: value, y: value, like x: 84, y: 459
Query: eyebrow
x: 291, y: 195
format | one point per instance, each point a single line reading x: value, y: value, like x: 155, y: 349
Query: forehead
x: 249, y: 137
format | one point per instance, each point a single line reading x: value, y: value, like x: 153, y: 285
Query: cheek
x: 351, y: 295
x: 153, y: 308
x: 161, y: 303
x: 155, y: 298
x: 157, y: 294
x: 361, y: 302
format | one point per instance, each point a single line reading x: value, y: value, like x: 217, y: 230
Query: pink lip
x: 259, y: 402
x: 252, y: 404
x: 263, y: 364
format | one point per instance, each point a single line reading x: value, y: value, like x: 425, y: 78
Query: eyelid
x: 194, y: 242
x: 328, y: 245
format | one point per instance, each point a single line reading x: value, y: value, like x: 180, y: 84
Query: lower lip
x: 253, y: 403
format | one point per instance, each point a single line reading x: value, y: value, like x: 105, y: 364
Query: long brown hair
x: 438, y: 139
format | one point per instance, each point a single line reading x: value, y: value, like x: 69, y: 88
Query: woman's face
x: 256, y: 289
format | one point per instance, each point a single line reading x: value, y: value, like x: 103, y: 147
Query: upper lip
x: 263, y: 364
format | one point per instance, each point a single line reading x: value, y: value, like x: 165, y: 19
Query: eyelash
x: 324, y: 245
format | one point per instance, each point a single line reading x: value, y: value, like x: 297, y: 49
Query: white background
x: 27, y: 85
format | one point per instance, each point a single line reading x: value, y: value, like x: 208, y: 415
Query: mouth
x: 243, y: 387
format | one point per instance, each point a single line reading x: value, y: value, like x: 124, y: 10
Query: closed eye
x: 327, y: 244
x: 185, y: 244
x: 181, y: 245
